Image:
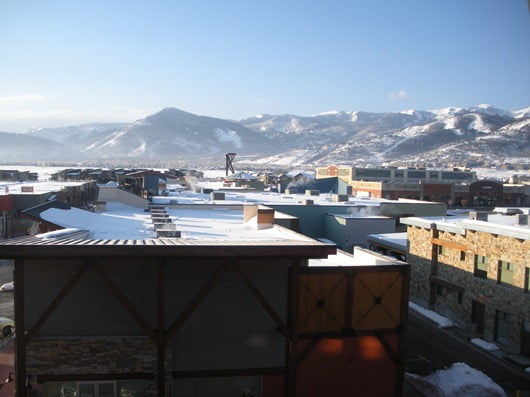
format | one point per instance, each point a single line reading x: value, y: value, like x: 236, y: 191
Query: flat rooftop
x: 233, y: 196
x: 505, y: 225
x: 392, y: 240
x: 36, y: 187
x: 123, y: 222
x: 123, y: 231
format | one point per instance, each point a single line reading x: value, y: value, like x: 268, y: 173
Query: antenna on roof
x: 229, y: 159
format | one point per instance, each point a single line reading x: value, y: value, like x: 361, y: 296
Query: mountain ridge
x: 445, y: 134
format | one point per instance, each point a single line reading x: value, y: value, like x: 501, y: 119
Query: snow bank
x: 456, y: 381
x: 484, y: 345
x: 443, y: 322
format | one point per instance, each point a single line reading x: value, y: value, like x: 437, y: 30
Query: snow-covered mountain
x: 20, y: 147
x: 437, y: 136
x: 444, y: 135
x: 173, y: 132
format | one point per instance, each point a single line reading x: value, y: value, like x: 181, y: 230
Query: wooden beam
x: 388, y: 349
x: 160, y: 331
x: 348, y: 307
x: 449, y: 244
x: 313, y: 342
x: 195, y: 302
x: 262, y: 300
x: 120, y: 296
x: 402, y: 332
x: 292, y: 318
x: 94, y: 376
x: 20, y: 340
x: 55, y: 302
x: 229, y: 372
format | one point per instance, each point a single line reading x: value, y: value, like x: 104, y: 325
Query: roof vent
x: 164, y: 233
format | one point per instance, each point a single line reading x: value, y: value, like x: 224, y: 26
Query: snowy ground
x: 459, y: 380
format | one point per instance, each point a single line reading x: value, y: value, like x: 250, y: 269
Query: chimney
x: 478, y: 216
x: 264, y: 215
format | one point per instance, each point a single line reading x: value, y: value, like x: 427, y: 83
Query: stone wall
x: 94, y: 355
x: 456, y: 269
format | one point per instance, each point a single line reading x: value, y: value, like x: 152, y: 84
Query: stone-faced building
x: 475, y: 271
x: 256, y: 310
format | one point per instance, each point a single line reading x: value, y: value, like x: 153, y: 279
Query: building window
x: 462, y: 255
x: 478, y: 315
x: 527, y: 279
x: 505, y: 273
x: 229, y: 387
x: 481, y: 266
x: 503, y: 326
x: 133, y: 388
x: 441, y: 250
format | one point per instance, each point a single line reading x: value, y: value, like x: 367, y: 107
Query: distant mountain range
x: 477, y: 134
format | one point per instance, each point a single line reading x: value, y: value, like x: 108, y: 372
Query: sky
x: 71, y: 62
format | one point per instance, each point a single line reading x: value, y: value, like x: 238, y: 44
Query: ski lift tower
x: 229, y: 160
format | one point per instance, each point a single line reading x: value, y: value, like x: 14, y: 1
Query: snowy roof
x: 360, y: 257
x: 122, y: 222
x: 392, y: 240
x: 263, y: 197
x: 504, y: 225
x: 38, y: 187
x: 241, y: 175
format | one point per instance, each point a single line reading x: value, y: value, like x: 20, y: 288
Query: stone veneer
x: 94, y: 355
x: 510, y: 299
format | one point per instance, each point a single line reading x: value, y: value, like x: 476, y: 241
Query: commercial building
x: 475, y: 271
x: 456, y: 188
x: 17, y: 197
x: 231, y: 308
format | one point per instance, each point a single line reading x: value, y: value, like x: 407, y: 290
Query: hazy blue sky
x: 66, y: 62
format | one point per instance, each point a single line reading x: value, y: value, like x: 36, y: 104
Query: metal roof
x: 164, y: 247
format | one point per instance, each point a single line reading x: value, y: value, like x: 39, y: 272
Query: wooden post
x: 20, y: 344
x: 292, y: 319
x: 402, y: 331
x: 160, y: 334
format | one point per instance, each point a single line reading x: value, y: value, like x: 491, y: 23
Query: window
x: 134, y: 388
x: 441, y: 250
x: 416, y: 174
x: 478, y: 315
x: 503, y: 326
x: 372, y: 173
x: 505, y: 273
x: 462, y: 255
x: 527, y: 279
x: 481, y: 266
x: 218, y: 387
